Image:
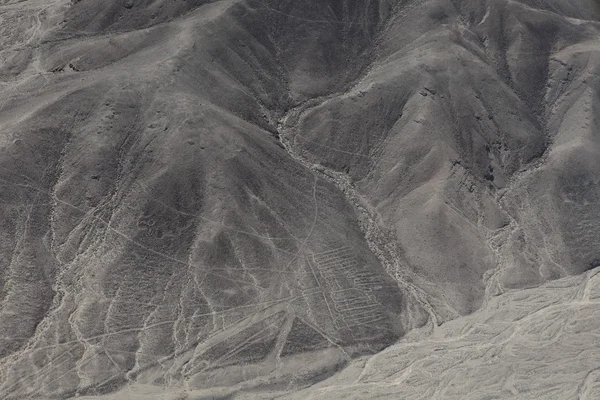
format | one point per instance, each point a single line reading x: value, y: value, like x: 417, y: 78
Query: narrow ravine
x: 380, y: 242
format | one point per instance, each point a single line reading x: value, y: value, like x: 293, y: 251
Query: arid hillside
x: 253, y: 194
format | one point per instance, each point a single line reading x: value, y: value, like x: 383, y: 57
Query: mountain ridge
x: 196, y: 181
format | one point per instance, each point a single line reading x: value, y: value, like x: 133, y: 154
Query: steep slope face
x: 250, y: 193
x: 473, y: 125
x: 154, y: 228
